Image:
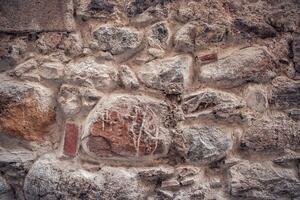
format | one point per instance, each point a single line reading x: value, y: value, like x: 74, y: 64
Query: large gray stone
x: 215, y: 105
x: 118, y: 40
x: 34, y: 15
x: 170, y: 75
x: 251, y: 64
x: 206, y: 144
x: 50, y: 178
x: 87, y: 72
x: 273, y: 133
x: 263, y: 181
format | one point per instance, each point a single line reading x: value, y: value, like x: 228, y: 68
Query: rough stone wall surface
x: 149, y: 99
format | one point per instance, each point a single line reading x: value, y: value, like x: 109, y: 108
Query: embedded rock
x: 185, y: 38
x: 259, y: 28
x: 95, y: 8
x: 26, y: 109
x: 251, y: 64
x: 126, y: 126
x: 150, y: 16
x: 206, y: 144
x: 51, y: 70
x: 50, y: 178
x: 128, y: 78
x: 263, y: 181
x: 23, y: 68
x: 69, y: 100
x: 283, y: 21
x: 89, y: 73
x: 273, y: 133
x: 11, y: 53
x: 34, y: 15
x: 256, y: 98
x: 73, y: 99
x: 118, y: 40
x: 5, y: 190
x: 135, y: 7
x: 215, y: 105
x: 169, y: 75
x: 72, y: 44
x: 48, y: 42
x: 296, y: 51
x: 285, y: 93
x: 159, y: 35
x: 156, y: 173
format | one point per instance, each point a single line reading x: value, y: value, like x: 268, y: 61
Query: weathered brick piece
x: 71, y: 139
x: 36, y: 15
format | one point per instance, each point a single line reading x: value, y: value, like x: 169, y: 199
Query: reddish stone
x: 127, y: 126
x: 71, y: 139
x: 208, y: 58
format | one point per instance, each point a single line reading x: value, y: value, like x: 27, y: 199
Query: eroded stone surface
x: 118, y: 40
x: 26, y: 109
x: 214, y: 104
x: 206, y: 144
x: 73, y: 99
x: 285, y: 93
x: 11, y: 53
x: 87, y: 72
x: 127, y: 125
x: 135, y: 7
x: 251, y: 64
x: 159, y: 35
x: 263, y: 181
x: 95, y: 8
x: 256, y: 98
x: 185, y: 38
x: 271, y: 134
x: 50, y: 178
x: 128, y: 78
x: 169, y: 75
x: 5, y: 190
x: 34, y: 15
x: 296, y: 51
x: 156, y: 173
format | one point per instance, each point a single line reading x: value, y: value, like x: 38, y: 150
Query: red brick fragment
x: 208, y: 58
x: 71, y: 139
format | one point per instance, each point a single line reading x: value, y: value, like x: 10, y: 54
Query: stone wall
x: 149, y: 99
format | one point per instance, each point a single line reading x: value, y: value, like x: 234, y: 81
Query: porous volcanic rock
x: 273, y: 133
x: 26, y: 109
x: 118, y: 40
x: 263, y: 181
